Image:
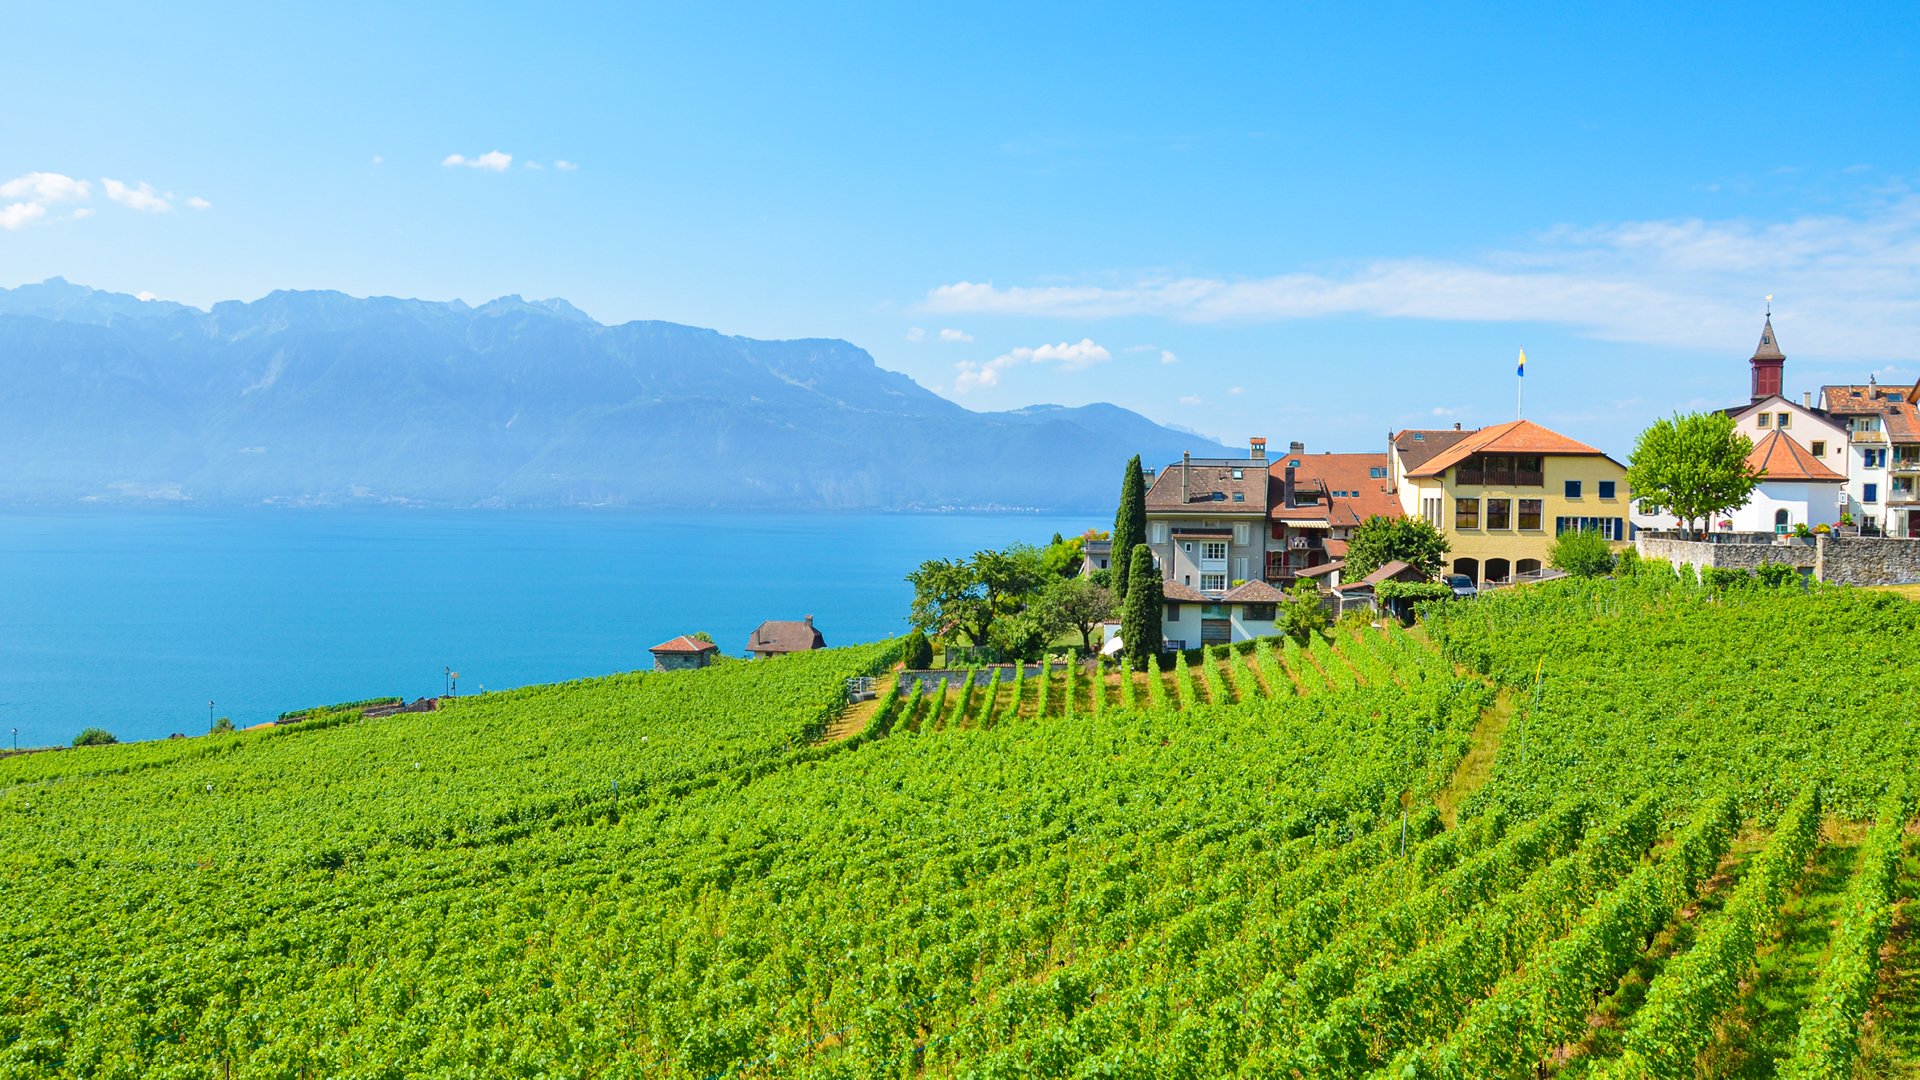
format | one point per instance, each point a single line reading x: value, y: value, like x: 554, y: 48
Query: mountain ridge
x: 316, y: 397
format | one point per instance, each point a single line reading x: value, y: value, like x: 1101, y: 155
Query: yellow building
x: 1501, y: 494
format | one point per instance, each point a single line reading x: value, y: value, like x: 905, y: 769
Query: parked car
x: 1463, y: 586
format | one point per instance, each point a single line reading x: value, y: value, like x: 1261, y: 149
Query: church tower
x: 1767, y: 362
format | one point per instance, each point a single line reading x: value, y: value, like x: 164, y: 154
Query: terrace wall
x: 1841, y: 560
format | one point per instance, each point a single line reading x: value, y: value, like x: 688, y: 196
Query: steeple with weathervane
x: 1767, y: 360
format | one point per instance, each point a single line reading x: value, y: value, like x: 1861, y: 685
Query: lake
x: 134, y: 621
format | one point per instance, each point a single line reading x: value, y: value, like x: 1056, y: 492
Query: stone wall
x: 1869, y: 560
x: 1700, y: 553
x: 1841, y: 560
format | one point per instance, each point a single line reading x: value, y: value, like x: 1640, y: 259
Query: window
x: 1417, y: 437
x: 1764, y: 420
x: 1239, y: 496
x: 1159, y: 531
x: 1239, y: 474
x: 1258, y: 613
x: 1612, y: 528
x: 1242, y: 534
x: 1293, y: 463
x: 1466, y: 513
x: 1214, y: 551
x: 1606, y: 489
x: 1818, y: 449
x: 1870, y: 493
x: 1213, y: 583
x: 1213, y: 611
x: 1530, y: 510
x: 1377, y: 473
x: 1499, y: 513
x: 1573, y: 489
x: 1780, y: 521
x: 1433, y: 510
x: 1785, y: 419
x: 1173, y: 611
x: 1897, y: 396
x: 1873, y: 459
x: 1240, y: 568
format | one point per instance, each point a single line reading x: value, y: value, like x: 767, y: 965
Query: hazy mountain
x: 319, y: 397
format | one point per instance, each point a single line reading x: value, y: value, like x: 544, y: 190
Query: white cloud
x: 492, y: 161
x: 199, y: 203
x: 1238, y: 390
x: 1167, y: 357
x: 535, y: 165
x: 19, y: 215
x: 46, y: 187
x: 1077, y: 356
x: 83, y: 213
x: 140, y: 196
x: 1848, y: 285
x: 144, y: 295
x: 35, y: 194
x: 564, y: 165
x: 1190, y: 399
x: 915, y: 333
x: 950, y: 334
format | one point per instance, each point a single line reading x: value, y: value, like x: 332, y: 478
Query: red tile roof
x: 684, y: 644
x: 1849, y: 400
x: 1778, y: 457
x: 1512, y: 437
x: 1372, y: 495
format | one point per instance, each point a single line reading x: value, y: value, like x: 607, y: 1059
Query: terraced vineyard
x: 1545, y: 833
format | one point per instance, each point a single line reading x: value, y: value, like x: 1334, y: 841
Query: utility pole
x: 446, y: 681
x: 209, y: 716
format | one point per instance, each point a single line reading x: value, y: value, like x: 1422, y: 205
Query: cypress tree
x: 1129, y: 524
x: 1140, y: 611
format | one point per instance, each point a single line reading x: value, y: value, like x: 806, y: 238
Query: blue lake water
x: 135, y: 621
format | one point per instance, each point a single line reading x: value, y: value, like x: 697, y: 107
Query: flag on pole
x: 1522, y: 371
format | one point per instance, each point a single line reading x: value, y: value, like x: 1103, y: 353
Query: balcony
x: 1905, y: 466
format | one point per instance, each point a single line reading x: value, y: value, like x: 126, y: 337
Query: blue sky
x: 1301, y: 222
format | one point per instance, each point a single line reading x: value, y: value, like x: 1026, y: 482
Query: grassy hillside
x: 1671, y: 832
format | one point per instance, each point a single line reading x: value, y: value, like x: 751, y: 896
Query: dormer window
x: 1239, y: 474
x: 1239, y: 496
x: 1294, y: 463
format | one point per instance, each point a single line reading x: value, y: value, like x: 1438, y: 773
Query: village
x: 1233, y: 539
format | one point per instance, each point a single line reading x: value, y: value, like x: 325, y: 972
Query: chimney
x: 1806, y: 399
x: 1186, y: 461
x: 808, y: 621
x: 1257, y: 448
x: 1297, y: 447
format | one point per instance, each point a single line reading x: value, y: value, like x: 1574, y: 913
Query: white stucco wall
x: 1805, y: 503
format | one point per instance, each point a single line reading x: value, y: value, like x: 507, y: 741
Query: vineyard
x: 1612, y: 829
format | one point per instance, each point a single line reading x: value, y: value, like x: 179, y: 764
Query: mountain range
x: 319, y: 398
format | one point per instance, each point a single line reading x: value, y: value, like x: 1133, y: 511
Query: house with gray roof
x: 777, y: 637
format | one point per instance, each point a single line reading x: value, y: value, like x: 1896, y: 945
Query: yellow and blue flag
x: 1522, y: 371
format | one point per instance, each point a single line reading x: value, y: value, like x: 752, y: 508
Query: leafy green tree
x: 1303, y: 614
x: 1075, y: 604
x: 1693, y: 467
x: 1141, y: 608
x: 1011, y: 577
x: 1129, y: 524
x: 1063, y: 555
x: 1582, y: 553
x: 94, y: 736
x: 702, y: 635
x: 919, y: 652
x: 1379, y: 541
x: 948, y: 595
x: 1019, y: 636
x: 221, y: 726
